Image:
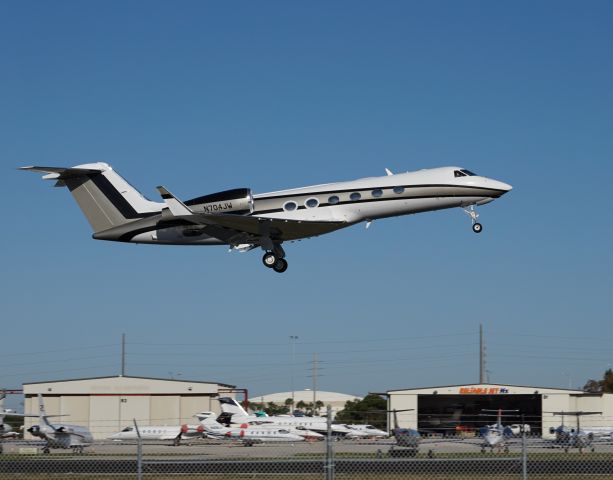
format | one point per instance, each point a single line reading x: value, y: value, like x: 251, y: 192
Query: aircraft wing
x: 276, y: 229
x: 243, y: 229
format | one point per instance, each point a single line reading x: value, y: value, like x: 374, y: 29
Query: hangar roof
x: 123, y: 385
x: 481, y: 389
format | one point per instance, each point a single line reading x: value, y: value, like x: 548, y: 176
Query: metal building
x: 105, y: 405
x: 453, y: 408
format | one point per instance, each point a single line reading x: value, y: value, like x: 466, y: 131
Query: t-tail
x: 106, y: 199
x: 230, y: 405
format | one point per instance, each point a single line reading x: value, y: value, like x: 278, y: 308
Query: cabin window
x: 377, y: 192
x: 333, y: 200
x: 398, y: 190
x: 290, y: 206
x: 311, y: 202
x: 355, y: 196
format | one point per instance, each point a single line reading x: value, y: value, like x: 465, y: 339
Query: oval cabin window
x: 289, y: 206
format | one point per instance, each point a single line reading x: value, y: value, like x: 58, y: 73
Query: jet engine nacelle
x: 237, y: 201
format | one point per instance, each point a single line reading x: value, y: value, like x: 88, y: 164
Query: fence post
x: 524, y: 456
x: 329, y: 465
x: 139, y: 453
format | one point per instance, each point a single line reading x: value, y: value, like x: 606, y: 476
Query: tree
x: 273, y: 409
x: 372, y: 410
x: 600, y: 386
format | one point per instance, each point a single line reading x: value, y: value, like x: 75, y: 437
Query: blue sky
x: 203, y: 96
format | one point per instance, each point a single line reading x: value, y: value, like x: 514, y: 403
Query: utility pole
x: 314, y: 381
x: 293, y: 339
x: 123, y: 354
x: 482, y: 369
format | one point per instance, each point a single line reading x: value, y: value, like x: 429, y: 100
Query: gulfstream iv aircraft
x: 242, y: 220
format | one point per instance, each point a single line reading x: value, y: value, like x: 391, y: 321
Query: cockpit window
x: 463, y: 173
x: 127, y: 429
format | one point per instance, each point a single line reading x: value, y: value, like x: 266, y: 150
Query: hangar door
x: 452, y: 414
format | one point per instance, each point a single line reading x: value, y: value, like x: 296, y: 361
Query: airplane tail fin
x: 207, y: 418
x: 230, y: 405
x: 106, y: 199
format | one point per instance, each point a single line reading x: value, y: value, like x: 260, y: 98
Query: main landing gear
x: 472, y: 213
x: 274, y: 257
x: 278, y: 264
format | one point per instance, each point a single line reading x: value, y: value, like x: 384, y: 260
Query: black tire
x: 269, y: 259
x: 477, y: 228
x: 280, y: 265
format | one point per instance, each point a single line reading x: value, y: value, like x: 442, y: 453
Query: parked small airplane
x: 496, y: 435
x: 357, y: 430
x: 75, y: 437
x: 5, y: 429
x: 237, y: 413
x: 578, y: 437
x: 244, y: 221
x: 153, y: 432
x: 248, y: 434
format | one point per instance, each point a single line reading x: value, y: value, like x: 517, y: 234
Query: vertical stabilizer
x: 106, y: 199
x: 230, y: 405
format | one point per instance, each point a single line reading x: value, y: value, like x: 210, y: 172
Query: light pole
x: 293, y: 339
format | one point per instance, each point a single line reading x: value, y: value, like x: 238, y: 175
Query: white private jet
x: 319, y: 425
x: 248, y: 434
x: 364, y: 430
x: 160, y: 432
x: 242, y: 220
x: 65, y: 436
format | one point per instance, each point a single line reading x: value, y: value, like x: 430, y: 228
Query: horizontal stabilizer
x: 61, y: 173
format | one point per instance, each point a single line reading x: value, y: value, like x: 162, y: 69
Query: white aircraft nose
x: 500, y: 185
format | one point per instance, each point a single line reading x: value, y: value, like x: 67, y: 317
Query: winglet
x: 176, y: 206
x: 388, y: 171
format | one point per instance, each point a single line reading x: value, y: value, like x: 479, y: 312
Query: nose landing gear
x: 472, y: 213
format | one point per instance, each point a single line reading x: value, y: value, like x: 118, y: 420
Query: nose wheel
x: 278, y: 264
x: 472, y: 213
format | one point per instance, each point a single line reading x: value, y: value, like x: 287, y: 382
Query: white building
x: 447, y: 408
x: 105, y: 405
x: 335, y: 400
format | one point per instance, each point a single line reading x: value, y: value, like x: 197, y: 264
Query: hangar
x: 105, y: 405
x: 458, y: 408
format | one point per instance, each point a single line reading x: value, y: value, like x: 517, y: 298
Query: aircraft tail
x: 230, y: 405
x: 106, y: 199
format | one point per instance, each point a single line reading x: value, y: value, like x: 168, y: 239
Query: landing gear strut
x: 472, y: 213
x: 274, y: 259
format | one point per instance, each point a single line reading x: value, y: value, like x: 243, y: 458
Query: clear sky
x: 205, y: 96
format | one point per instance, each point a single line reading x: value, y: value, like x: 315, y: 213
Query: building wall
x: 406, y: 419
x: 107, y: 405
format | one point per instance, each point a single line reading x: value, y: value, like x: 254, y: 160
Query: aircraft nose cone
x: 501, y: 185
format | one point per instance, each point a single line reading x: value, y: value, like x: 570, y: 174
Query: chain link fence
x: 527, y: 452
x: 332, y: 458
